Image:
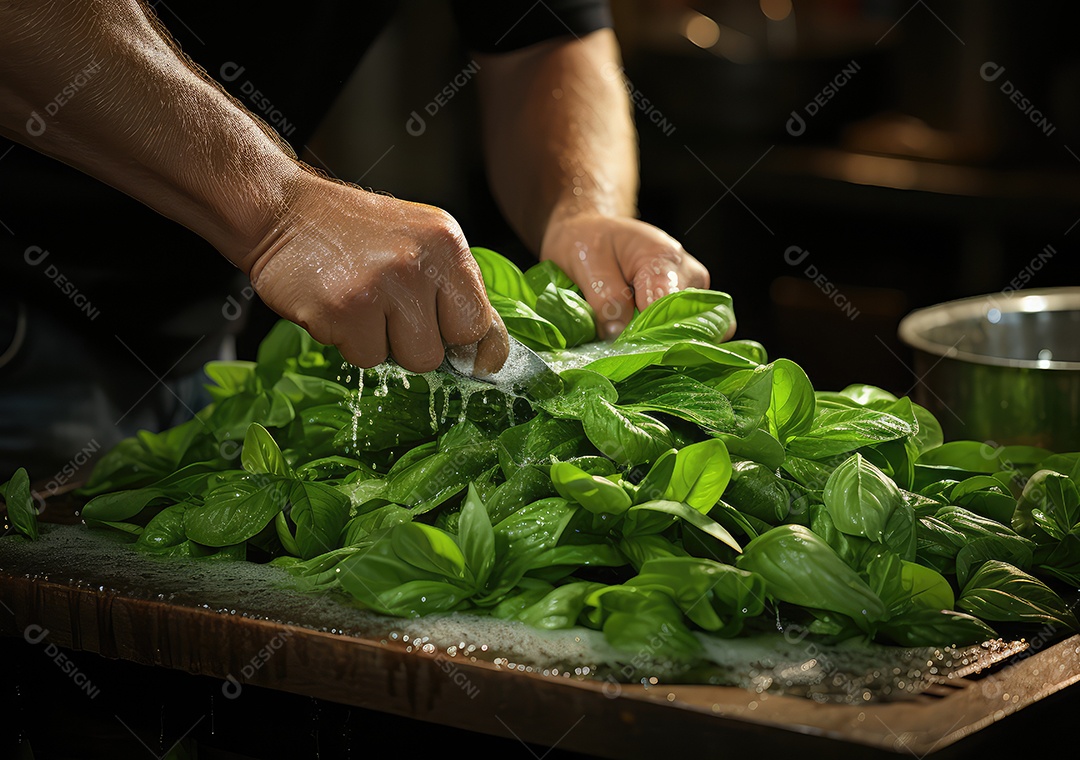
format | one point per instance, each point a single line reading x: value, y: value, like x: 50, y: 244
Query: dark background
x: 918, y: 181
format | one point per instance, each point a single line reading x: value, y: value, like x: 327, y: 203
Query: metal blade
x: 524, y: 372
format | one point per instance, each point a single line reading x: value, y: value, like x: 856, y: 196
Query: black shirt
x: 86, y: 249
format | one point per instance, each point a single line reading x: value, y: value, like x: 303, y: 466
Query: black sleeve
x: 499, y: 26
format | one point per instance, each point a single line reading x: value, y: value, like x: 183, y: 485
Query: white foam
x: 100, y: 560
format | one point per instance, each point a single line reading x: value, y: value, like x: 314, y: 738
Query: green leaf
x: 121, y: 505
x: 839, y: 431
x: 923, y: 627
x: 230, y: 378
x: 1051, y: 501
x: 545, y: 273
x: 690, y: 314
x: 261, y: 455
x: 383, y: 581
x: 569, y: 312
x: 20, y: 504
x: 701, y: 473
x: 165, y: 529
x: 628, y: 437
x: 360, y: 528
x: 430, y: 549
x: 639, y: 620
x: 235, y: 512
x: 974, y: 553
x: 581, y: 389
x: 684, y: 511
x: 791, y: 409
x: 926, y: 587
x: 320, y: 512
x: 715, y: 596
x: 749, y: 392
x: 999, y: 591
x: 800, y: 568
x: 632, y: 358
x: 757, y: 491
x: 560, y: 608
x: 680, y: 396
x: 526, y: 325
x: 655, y: 483
x: 972, y: 456
x: 596, y: 494
x: 861, y: 498
x: 502, y: 277
x: 477, y: 538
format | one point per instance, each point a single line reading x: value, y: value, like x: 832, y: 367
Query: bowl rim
x: 913, y: 326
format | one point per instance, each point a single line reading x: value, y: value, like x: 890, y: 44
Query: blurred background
x: 835, y: 163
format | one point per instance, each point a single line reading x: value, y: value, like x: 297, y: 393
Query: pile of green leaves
x: 680, y: 485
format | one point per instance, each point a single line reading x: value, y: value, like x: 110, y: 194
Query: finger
x: 493, y: 348
x: 362, y: 339
x: 463, y: 308
x: 667, y: 273
x: 606, y: 289
x: 413, y: 329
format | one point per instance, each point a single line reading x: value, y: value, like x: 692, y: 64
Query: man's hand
x: 620, y: 263
x: 369, y: 274
x: 375, y: 277
x: 562, y: 158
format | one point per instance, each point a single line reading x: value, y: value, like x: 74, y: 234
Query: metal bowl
x: 1002, y: 367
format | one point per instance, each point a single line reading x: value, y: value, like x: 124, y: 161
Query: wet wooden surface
x: 587, y: 716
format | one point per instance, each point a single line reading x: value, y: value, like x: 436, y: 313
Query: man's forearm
x: 558, y: 134
x: 94, y: 84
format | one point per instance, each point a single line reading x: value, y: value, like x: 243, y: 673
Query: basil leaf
x: 560, y: 608
x: 701, y: 474
x: 690, y: 314
x: 684, y: 511
x: 235, y: 512
x: 861, y: 499
x: 526, y: 325
x: 477, y: 539
x: 502, y: 277
x: 999, y: 591
x: 320, y: 512
x: 843, y: 430
x: 792, y: 404
x: 569, y: 312
x: 545, y: 273
x: 596, y: 494
x: 679, y: 396
x: 261, y: 455
x: 20, y: 504
x: 642, y: 620
x: 800, y: 568
x: 628, y: 437
x: 756, y: 490
x: 922, y: 627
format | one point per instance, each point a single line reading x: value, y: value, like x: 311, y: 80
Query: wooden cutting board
x: 90, y: 607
